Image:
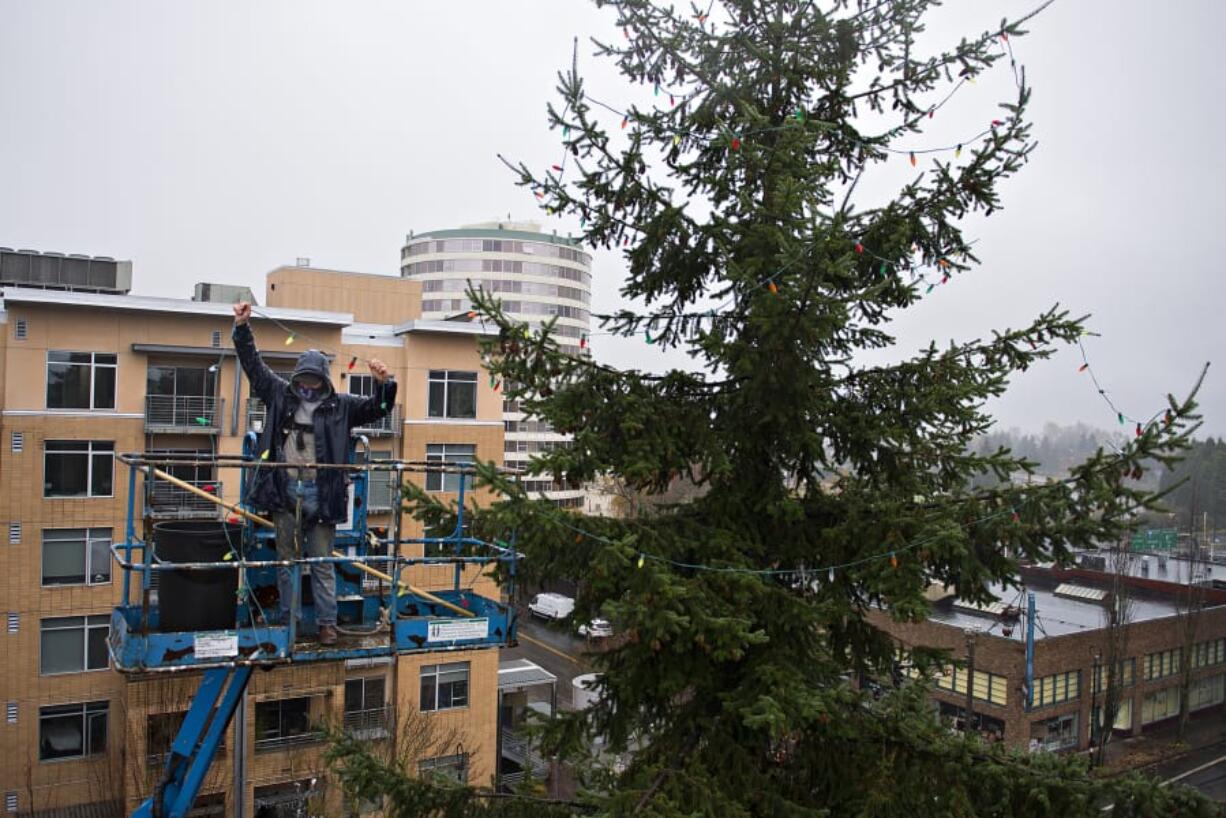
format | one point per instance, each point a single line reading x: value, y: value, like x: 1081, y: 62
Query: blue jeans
x: 317, y: 540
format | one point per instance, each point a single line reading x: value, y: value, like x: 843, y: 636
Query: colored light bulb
x: 774, y: 290
x: 1120, y: 415
x: 912, y: 158
x: 1139, y: 430
x: 202, y: 421
x: 289, y: 340
x: 957, y: 151
x: 676, y: 140
x: 1083, y: 367
x: 859, y: 247
x: 625, y: 122
x: 736, y: 143
x: 893, y: 561
x: 557, y: 168
x: 353, y: 362
x: 642, y: 559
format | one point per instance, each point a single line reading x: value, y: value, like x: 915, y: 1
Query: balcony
x: 530, y: 763
x: 367, y: 724
x: 387, y: 426
x: 166, y: 501
x: 184, y: 414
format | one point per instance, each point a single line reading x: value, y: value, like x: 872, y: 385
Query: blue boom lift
x: 391, y: 616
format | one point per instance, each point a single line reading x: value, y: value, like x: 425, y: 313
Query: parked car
x: 597, y: 629
x: 551, y: 606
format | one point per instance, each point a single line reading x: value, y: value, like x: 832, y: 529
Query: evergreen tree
x: 831, y: 485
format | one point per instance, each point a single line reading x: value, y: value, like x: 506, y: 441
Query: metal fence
x: 183, y: 413
x: 167, y: 500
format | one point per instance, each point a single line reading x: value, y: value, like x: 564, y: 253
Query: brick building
x: 89, y: 371
x: 1070, y: 641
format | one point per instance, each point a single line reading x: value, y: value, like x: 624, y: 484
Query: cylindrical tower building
x: 537, y: 276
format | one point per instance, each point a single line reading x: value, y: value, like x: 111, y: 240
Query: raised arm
x: 264, y: 382
x: 367, y: 410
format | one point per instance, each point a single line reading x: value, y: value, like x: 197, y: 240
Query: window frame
x: 447, y: 380
x: 432, y: 675
x: 88, y: 624
x: 89, y: 711
x: 441, y: 481
x: 93, y: 366
x: 90, y: 453
x: 87, y: 541
x: 439, y: 765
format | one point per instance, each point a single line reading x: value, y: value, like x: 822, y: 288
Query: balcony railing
x: 272, y: 743
x: 515, y: 747
x: 384, y: 491
x: 184, y: 413
x: 167, y: 501
x: 367, y: 723
x: 388, y: 426
x: 255, y: 415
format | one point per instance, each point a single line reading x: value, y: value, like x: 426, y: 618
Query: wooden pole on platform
x: 264, y: 521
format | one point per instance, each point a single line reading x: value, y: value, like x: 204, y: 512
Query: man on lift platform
x: 306, y: 421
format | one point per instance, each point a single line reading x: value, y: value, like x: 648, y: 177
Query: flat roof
x: 181, y: 306
x: 516, y: 674
x: 447, y: 327
x: 373, y: 335
x: 1054, y: 615
x: 1166, y: 568
x: 495, y: 233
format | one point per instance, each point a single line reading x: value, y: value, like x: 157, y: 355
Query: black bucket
x: 196, y: 599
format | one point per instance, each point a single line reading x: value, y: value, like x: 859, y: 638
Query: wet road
x: 553, y: 648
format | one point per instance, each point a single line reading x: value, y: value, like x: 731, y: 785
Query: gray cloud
x: 214, y: 141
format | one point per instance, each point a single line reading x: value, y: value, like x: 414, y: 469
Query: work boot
x: 327, y: 634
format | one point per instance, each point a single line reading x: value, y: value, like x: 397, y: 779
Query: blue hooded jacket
x: 336, y: 415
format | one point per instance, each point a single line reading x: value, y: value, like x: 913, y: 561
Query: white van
x: 551, y: 606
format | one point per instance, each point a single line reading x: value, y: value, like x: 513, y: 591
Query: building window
x: 78, y: 468
x: 1058, y: 733
x: 14, y: 533
x: 1162, y: 664
x: 989, y: 687
x: 1208, y: 654
x: 1207, y: 692
x: 444, y: 687
x: 216, y: 338
x: 283, y: 723
x: 362, y: 385
x: 452, y: 394
x: 1125, y: 675
x: 10, y: 801
x: 1159, y: 705
x: 76, y: 556
x: 1123, y: 716
x: 71, y: 730
x: 10, y: 712
x: 71, y: 644
x: 14, y: 622
x: 21, y: 329
x: 1059, y: 687
x: 80, y: 380
x: 18, y: 442
x: 364, y: 703
x: 448, y: 453
x: 451, y: 768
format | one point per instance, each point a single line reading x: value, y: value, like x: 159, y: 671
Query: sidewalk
x: 1159, y: 744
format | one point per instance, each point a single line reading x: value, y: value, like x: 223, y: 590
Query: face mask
x: 308, y: 393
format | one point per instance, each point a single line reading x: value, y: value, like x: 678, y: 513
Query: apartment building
x: 87, y: 372
x: 1071, y: 639
x: 539, y: 277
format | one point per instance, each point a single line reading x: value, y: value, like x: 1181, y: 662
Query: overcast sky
x: 211, y: 141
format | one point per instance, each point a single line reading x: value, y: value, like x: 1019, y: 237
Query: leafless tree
x: 1189, y: 603
x: 1117, y: 616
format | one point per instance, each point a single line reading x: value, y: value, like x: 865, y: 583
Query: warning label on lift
x: 216, y: 645
x: 449, y: 630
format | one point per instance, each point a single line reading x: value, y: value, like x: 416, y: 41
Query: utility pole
x: 970, y: 679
